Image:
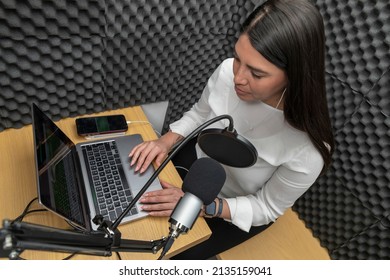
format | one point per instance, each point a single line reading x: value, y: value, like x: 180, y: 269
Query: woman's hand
x: 161, y: 202
x: 143, y: 154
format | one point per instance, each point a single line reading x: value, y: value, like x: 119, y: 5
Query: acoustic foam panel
x: 77, y: 57
x: 51, y: 53
x: 349, y: 206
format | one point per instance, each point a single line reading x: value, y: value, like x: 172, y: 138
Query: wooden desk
x: 18, y: 187
x: 287, y: 239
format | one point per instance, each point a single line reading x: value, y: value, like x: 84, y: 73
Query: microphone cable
x: 26, y: 211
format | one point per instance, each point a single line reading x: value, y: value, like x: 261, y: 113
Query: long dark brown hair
x: 290, y: 34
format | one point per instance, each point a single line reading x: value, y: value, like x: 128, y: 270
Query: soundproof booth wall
x: 82, y: 56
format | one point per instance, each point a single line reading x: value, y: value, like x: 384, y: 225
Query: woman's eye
x: 256, y: 75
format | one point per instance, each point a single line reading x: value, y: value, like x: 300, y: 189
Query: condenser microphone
x: 201, y: 186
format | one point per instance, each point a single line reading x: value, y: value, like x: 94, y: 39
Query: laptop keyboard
x: 108, y: 180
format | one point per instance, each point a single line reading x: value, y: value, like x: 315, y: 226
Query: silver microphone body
x: 201, y: 185
x: 185, y: 214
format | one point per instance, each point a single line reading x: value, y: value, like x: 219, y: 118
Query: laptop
x: 79, y: 181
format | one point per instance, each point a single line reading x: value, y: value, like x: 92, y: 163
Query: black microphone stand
x: 19, y: 236
x: 178, y: 147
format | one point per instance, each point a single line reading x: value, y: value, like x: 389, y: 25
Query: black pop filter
x: 227, y: 147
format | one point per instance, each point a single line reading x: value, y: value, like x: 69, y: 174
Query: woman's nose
x: 240, y: 76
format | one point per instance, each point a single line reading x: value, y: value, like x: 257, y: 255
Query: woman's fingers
x: 143, y: 155
x: 161, y: 202
x: 161, y: 209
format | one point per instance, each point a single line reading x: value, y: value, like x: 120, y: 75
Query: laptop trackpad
x: 136, y: 180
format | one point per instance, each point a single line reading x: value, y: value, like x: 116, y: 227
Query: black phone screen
x: 101, y: 125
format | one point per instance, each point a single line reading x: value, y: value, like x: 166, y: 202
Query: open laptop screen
x: 58, y: 188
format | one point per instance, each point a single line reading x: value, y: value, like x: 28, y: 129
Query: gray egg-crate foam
x: 348, y: 208
x: 79, y: 57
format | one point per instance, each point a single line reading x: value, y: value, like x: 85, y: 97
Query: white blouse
x: 287, y: 164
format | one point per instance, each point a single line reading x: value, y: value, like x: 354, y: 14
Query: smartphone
x: 90, y: 126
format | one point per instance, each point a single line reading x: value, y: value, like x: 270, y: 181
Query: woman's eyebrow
x: 257, y: 70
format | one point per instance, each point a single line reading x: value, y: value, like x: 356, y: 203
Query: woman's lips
x: 240, y: 91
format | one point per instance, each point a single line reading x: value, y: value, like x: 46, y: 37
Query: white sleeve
x: 286, y: 185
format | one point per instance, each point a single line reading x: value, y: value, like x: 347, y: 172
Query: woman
x: 274, y: 88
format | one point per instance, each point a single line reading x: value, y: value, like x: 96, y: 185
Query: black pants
x: 224, y: 234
